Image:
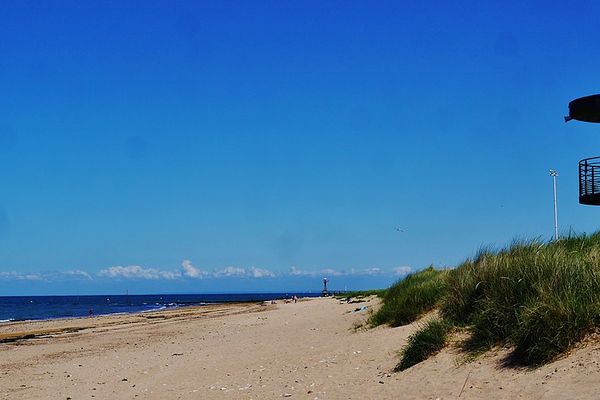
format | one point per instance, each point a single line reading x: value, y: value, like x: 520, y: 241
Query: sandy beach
x: 305, y: 350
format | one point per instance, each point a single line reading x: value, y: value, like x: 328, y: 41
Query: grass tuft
x: 427, y: 341
x: 410, y: 298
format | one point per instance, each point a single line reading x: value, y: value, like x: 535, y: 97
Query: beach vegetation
x: 410, y: 298
x: 427, y: 341
x: 537, y: 298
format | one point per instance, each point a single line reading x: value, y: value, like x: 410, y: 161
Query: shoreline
x: 313, y: 349
x: 117, y: 313
x: 15, y: 331
x: 64, y: 308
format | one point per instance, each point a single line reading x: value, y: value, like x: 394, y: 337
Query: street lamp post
x: 554, y: 174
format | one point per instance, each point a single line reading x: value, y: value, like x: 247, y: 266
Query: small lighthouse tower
x: 325, y: 292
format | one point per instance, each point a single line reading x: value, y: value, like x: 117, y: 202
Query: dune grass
x: 427, y: 341
x: 538, y: 298
x: 411, y: 297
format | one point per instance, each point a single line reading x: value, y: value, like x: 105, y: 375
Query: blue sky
x: 267, y: 144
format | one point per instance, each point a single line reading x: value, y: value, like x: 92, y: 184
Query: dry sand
x: 307, y: 350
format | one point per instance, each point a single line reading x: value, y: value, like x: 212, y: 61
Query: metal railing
x: 589, y: 181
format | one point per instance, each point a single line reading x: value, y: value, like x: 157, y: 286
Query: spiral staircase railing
x: 589, y: 181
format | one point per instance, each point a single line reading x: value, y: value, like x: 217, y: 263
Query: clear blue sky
x: 248, y: 146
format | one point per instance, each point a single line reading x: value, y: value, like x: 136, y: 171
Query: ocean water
x: 20, y: 308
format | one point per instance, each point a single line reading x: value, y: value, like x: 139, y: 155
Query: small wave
x: 6, y: 320
x: 153, y: 309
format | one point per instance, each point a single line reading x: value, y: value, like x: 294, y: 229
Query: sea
x: 23, y: 308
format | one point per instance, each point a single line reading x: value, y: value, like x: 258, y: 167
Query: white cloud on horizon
x: 45, y: 276
x: 373, y: 271
x: 402, y: 270
x: 230, y: 272
x: 77, y: 274
x: 294, y: 271
x: 260, y: 273
x: 326, y: 272
x: 368, y: 271
x: 137, y: 272
x: 240, y: 272
x: 21, y: 276
x: 192, y: 272
x: 188, y: 271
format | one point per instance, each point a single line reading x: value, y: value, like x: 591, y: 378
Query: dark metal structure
x: 587, y: 109
x: 589, y: 181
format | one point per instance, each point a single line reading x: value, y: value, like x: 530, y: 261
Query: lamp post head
x: 553, y: 173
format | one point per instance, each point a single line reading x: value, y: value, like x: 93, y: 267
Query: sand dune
x: 307, y: 350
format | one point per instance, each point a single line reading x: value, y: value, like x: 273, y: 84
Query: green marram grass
x: 411, y: 297
x: 427, y: 341
x: 540, y: 298
x: 536, y: 297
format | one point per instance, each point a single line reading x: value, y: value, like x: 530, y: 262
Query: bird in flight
x: 398, y: 229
